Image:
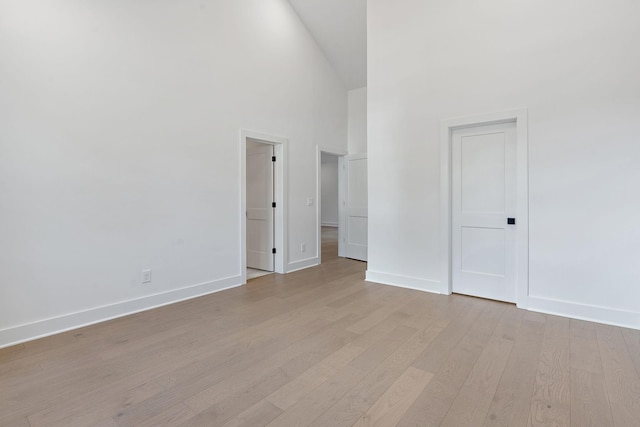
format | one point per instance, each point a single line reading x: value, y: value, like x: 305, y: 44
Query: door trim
x: 447, y: 126
x: 340, y: 154
x: 280, y: 194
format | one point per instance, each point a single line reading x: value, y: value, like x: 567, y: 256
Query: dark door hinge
x: 273, y: 251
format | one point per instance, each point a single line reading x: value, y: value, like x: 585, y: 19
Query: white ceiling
x: 340, y: 29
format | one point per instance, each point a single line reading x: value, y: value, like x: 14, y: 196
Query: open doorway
x: 329, y: 206
x: 329, y: 203
x: 263, y: 204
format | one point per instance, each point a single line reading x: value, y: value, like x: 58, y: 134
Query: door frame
x: 280, y: 195
x: 340, y: 154
x: 447, y: 126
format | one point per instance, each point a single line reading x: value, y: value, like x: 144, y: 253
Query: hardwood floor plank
x: 88, y: 411
x: 260, y: 414
x: 312, y: 405
x: 9, y: 354
x: 299, y: 357
x: 193, y: 382
x: 453, y: 368
x: 510, y: 322
x: 16, y: 422
x: 469, y: 310
x: 621, y: 379
x: 392, y: 405
x: 389, y: 306
x: 223, y: 411
x: 512, y: 400
x: 86, y: 400
x: 589, y: 403
x: 383, y: 328
x: 81, y: 382
x: 173, y: 416
x: 382, y: 349
x: 290, y: 393
x: 632, y: 338
x: 252, y: 344
x: 107, y: 422
x: 551, y: 402
x: 360, y: 398
x: 471, y: 405
x: 585, y: 354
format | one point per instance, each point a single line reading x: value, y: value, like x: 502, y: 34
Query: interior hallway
x: 329, y: 245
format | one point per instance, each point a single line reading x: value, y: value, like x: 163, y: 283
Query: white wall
x: 329, y: 173
x: 357, y: 134
x: 575, y: 66
x: 120, y: 148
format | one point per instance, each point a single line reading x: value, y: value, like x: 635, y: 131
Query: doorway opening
x: 263, y: 204
x: 329, y: 196
x: 329, y: 206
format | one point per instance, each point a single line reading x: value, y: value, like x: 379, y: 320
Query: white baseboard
x: 42, y: 328
x: 591, y: 313
x: 426, y: 285
x: 301, y: 265
x: 605, y: 315
x: 330, y: 224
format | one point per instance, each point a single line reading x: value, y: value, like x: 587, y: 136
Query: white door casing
x: 447, y: 127
x: 260, y: 212
x: 484, y: 196
x: 353, y: 243
x: 281, y: 197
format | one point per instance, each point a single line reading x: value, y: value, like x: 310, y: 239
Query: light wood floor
x: 322, y: 347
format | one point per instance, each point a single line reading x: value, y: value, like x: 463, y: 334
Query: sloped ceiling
x: 340, y: 29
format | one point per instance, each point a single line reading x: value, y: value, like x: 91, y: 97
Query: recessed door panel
x: 483, y: 172
x: 357, y: 231
x: 482, y: 251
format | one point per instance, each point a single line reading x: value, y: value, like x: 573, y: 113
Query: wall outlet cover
x: 146, y: 276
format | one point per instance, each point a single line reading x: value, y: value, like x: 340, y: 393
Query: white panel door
x: 260, y: 225
x: 355, y: 207
x: 484, y: 198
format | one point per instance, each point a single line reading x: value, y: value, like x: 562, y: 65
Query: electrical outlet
x: 303, y: 247
x: 309, y: 201
x: 146, y: 276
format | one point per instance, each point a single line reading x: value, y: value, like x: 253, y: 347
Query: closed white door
x: 484, y: 198
x: 355, y: 207
x: 260, y: 206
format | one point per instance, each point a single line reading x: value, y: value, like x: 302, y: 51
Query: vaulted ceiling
x: 340, y: 29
